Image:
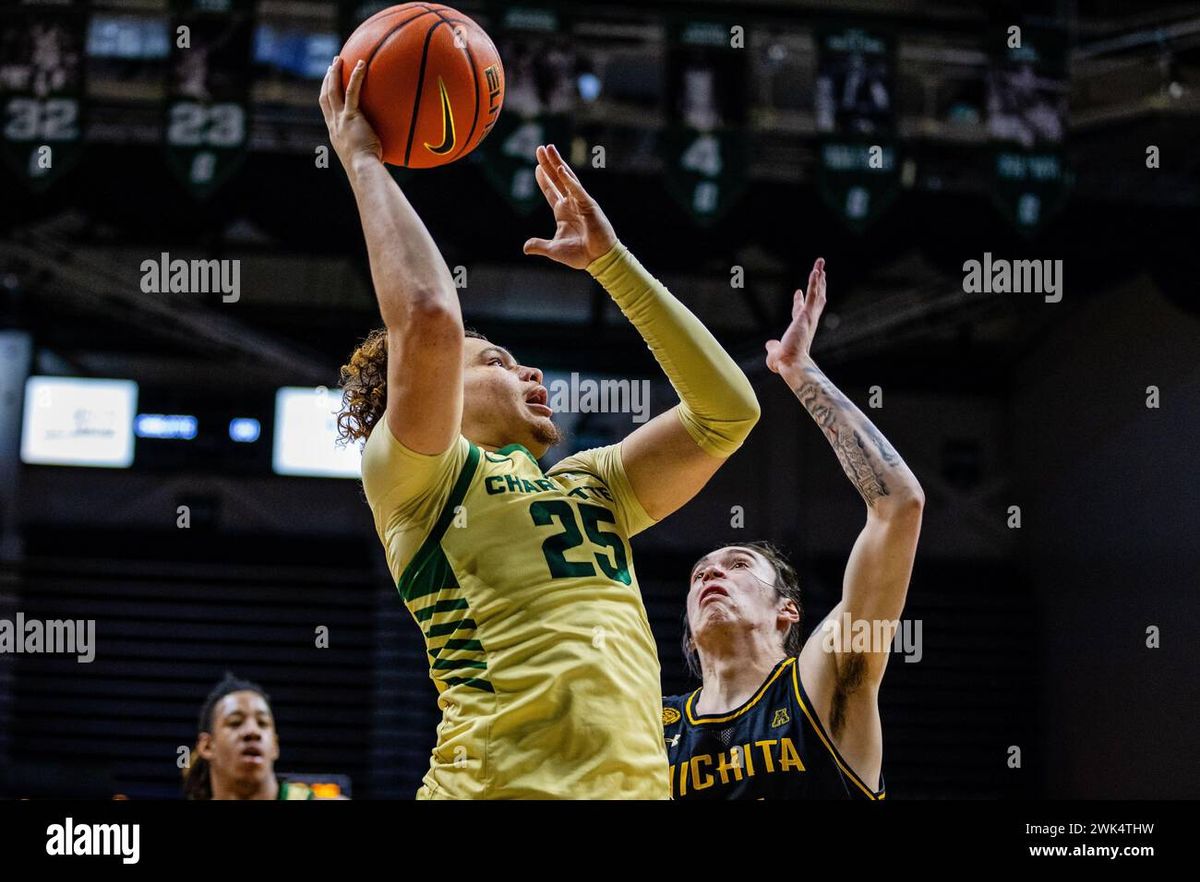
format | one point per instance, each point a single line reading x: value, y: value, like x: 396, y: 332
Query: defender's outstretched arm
x: 842, y: 679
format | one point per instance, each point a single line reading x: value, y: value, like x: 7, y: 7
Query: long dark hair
x: 197, y: 777
x: 787, y: 585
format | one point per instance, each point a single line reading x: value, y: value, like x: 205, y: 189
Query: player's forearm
x: 718, y: 407
x: 408, y: 272
x: 877, y: 472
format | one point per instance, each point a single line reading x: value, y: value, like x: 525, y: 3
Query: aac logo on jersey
x: 781, y: 718
x: 670, y: 715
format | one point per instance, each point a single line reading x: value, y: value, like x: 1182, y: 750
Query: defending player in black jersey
x: 777, y: 716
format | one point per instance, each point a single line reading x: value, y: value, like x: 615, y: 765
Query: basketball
x: 434, y: 82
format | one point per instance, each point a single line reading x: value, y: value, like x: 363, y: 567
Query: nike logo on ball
x: 447, y: 125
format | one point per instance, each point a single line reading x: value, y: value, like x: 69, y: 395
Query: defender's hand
x: 349, y: 132
x: 792, y: 350
x: 582, y: 233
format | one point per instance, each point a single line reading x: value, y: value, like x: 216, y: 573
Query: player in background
x: 777, y: 716
x: 522, y: 581
x: 236, y: 747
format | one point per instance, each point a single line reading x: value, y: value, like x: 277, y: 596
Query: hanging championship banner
x: 41, y: 88
x: 858, y: 165
x: 1027, y: 114
x: 704, y: 147
x: 207, y: 127
x: 540, y: 97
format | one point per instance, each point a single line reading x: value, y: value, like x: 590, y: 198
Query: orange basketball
x: 434, y: 82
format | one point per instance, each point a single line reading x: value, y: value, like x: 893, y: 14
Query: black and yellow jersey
x: 772, y: 747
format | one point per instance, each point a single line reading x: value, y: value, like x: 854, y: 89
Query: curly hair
x: 364, y: 386
x: 787, y: 585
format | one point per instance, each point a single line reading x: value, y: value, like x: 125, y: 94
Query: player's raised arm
x: 672, y: 457
x: 880, y: 565
x: 417, y: 298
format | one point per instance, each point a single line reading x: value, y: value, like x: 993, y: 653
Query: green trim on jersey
x: 426, y: 573
x: 451, y: 643
x: 289, y: 789
x: 509, y: 448
x: 441, y: 606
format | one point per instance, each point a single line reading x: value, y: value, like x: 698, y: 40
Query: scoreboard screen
x: 77, y: 421
x: 306, y: 439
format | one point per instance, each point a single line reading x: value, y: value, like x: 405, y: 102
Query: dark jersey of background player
x: 772, y: 747
x: 778, y: 715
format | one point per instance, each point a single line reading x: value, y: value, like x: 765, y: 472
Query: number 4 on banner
x: 705, y: 171
x: 510, y: 156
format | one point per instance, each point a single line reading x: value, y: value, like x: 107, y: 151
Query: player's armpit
x: 844, y: 659
x: 665, y: 465
x: 849, y: 649
x: 844, y: 694
x: 880, y: 566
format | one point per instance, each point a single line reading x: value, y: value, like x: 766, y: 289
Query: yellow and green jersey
x: 295, y: 790
x: 523, y: 585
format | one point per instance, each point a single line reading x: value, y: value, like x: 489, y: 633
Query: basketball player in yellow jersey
x: 521, y: 580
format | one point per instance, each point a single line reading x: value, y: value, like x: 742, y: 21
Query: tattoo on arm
x: 865, y: 455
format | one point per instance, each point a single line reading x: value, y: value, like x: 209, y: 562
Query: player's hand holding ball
x: 791, y: 352
x: 349, y: 132
x: 429, y: 83
x: 582, y: 232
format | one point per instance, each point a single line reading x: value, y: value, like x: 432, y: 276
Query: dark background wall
x: 1110, y: 543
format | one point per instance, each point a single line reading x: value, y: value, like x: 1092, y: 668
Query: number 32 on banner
x: 31, y: 119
